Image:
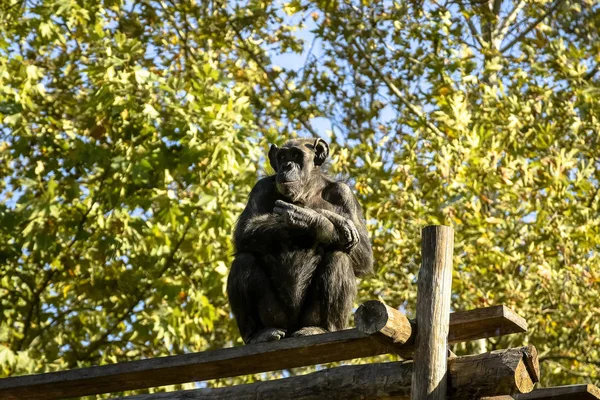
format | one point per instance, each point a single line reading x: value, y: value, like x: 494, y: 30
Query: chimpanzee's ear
x: 273, y: 156
x: 321, y: 151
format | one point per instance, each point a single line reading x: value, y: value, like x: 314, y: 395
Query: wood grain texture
x: 370, y: 381
x: 222, y: 363
x: 569, y: 392
x: 492, y: 321
x: 261, y: 357
x: 506, y: 372
x: 386, y: 323
x: 390, y: 325
x: 367, y: 381
x: 433, y: 314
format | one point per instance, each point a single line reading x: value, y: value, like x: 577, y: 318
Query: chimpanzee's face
x: 294, y: 166
x: 295, y: 163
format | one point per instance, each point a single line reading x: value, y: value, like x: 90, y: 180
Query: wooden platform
x: 263, y: 357
x: 501, y: 371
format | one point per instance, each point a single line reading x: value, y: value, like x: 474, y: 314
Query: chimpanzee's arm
x: 258, y: 230
x: 349, y: 218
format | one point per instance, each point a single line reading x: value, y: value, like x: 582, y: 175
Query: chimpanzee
x: 300, y: 243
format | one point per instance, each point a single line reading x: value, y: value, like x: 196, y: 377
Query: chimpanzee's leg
x: 256, y: 308
x: 330, y: 296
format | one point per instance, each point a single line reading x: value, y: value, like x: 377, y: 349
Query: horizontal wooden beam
x: 483, y: 323
x: 494, y: 373
x: 570, y: 392
x: 249, y: 359
x: 392, y: 328
x: 485, y: 374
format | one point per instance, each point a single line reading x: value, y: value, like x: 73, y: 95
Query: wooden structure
x: 569, y: 392
x: 430, y: 376
x: 434, y: 373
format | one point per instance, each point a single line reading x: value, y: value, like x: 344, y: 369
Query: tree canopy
x: 131, y: 133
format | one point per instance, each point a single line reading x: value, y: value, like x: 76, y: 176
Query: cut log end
x: 523, y: 381
x: 527, y: 372
x: 530, y: 357
x: 371, y: 317
x: 500, y: 372
x: 386, y: 323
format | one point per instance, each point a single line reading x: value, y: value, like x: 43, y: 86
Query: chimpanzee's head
x: 295, y: 163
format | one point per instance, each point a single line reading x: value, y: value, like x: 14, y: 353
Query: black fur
x: 300, y: 243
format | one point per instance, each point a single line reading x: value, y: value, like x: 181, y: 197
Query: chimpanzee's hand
x: 295, y: 216
x: 347, y: 231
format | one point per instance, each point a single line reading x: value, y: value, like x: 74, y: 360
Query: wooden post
x: 429, y: 381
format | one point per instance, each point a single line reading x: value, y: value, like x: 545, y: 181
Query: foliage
x: 119, y: 158
x: 132, y: 132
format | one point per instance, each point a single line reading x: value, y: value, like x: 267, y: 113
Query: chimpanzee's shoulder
x: 339, y: 192
x: 265, y: 185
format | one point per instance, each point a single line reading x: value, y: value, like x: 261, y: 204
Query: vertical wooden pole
x: 429, y: 380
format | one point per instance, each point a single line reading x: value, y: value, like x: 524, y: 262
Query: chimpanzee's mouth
x: 287, y: 180
x: 287, y: 188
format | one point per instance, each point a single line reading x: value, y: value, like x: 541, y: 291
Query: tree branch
x: 272, y: 80
x: 34, y: 304
x: 183, y: 38
x: 394, y: 89
x: 593, y: 198
x: 497, y: 7
x: 471, y: 25
x: 92, y: 347
x: 8, y: 7
x: 592, y: 72
x: 542, y: 17
x: 500, y: 32
x: 50, y: 274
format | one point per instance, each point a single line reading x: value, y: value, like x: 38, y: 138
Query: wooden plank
x: 222, y: 363
x: 377, y: 319
x: 366, y: 381
x: 469, y: 376
x: 484, y: 322
x: 570, y: 392
x: 497, y: 398
x: 429, y: 381
x: 249, y: 359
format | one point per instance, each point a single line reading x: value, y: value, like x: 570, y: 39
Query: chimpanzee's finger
x: 278, y: 210
x: 355, y: 236
x: 283, y: 204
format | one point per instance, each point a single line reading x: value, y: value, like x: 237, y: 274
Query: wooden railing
x: 499, y: 375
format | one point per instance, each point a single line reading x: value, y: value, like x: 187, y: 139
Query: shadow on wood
x: 488, y: 374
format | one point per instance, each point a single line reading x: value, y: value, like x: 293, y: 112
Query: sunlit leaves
x: 120, y: 150
x: 130, y: 135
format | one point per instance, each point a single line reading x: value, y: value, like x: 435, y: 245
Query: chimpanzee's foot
x: 267, y: 335
x: 308, y: 330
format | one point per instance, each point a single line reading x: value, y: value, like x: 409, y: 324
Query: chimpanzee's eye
x: 297, y: 157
